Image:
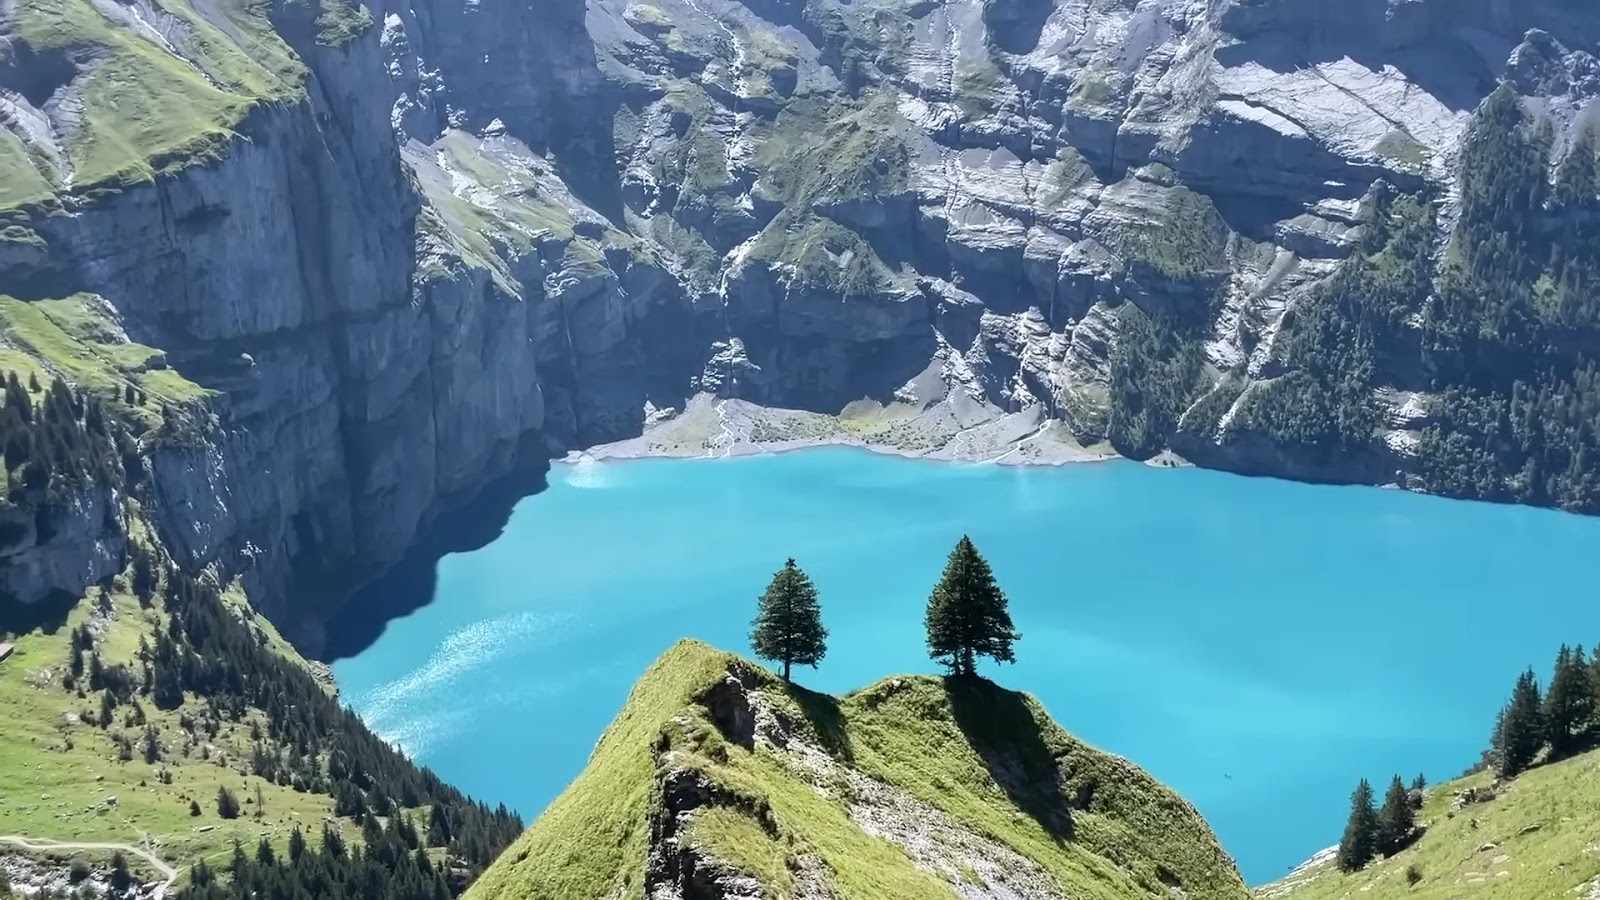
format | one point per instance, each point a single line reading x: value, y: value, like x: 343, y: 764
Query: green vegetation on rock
x: 821, y: 252
x: 341, y: 21
x: 830, y: 149
x: 23, y: 179
x: 1155, y: 375
x: 979, y: 85
x: 145, y: 110
x: 697, y: 164
x: 770, y: 781
x: 1335, y: 340
x: 1187, y: 240
x: 1508, y: 335
x: 77, y: 337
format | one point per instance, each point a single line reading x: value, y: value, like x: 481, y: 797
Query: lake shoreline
x: 951, y: 431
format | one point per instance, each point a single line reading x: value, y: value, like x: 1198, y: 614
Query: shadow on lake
x: 359, y: 621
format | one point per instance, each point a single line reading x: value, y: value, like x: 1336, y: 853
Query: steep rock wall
x: 485, y: 231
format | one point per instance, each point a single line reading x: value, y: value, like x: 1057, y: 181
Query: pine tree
x: 1419, y: 783
x: 1360, y: 842
x: 788, y: 625
x: 1569, y: 703
x: 144, y: 574
x: 227, y: 803
x: 1396, y: 820
x: 121, y: 878
x: 1521, y: 727
x: 967, y: 614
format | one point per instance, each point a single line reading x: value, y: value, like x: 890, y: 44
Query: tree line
x: 212, y: 666
x: 391, y: 862
x: 1534, y: 726
x: 1502, y: 330
x: 967, y: 616
x: 57, y: 438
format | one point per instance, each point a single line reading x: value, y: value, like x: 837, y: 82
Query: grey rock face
x: 497, y: 224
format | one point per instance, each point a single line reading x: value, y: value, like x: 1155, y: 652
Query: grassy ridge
x: 988, y: 759
x: 592, y: 839
x: 1130, y: 836
x: 150, y: 106
x: 75, y: 337
x: 1539, y: 839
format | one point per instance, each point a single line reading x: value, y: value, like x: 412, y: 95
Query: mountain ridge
x: 718, y: 780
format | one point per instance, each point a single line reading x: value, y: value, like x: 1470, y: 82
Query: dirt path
x: 45, y: 844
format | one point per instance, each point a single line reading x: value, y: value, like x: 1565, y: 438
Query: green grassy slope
x: 1538, y: 839
x: 150, y: 105
x: 796, y: 803
x: 76, y: 339
x: 61, y: 774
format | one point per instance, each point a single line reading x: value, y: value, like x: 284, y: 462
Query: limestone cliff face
x: 475, y: 230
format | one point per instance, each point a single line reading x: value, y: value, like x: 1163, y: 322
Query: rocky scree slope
x: 717, y: 780
x: 359, y: 260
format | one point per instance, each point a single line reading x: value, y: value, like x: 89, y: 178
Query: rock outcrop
x: 429, y: 242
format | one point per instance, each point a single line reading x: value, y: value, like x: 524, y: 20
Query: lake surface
x: 1257, y: 644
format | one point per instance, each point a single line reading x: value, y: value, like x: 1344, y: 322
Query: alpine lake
x: 1259, y: 645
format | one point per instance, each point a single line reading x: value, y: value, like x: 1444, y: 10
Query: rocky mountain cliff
x: 359, y: 260
x: 718, y: 781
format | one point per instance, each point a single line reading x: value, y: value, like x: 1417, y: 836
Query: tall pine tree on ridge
x: 1569, y: 703
x: 788, y: 625
x: 1360, y: 842
x: 1396, y: 820
x: 967, y: 614
x: 1521, y: 729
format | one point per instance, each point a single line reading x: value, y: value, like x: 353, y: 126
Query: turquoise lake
x: 1257, y: 644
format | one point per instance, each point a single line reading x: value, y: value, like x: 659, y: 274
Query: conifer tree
x: 1569, y: 703
x: 1419, y: 783
x: 121, y: 878
x: 967, y: 614
x: 227, y: 803
x: 788, y: 625
x: 1360, y: 841
x: 1396, y: 820
x: 1522, y: 729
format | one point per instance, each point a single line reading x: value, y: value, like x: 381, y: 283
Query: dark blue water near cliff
x: 1257, y: 644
